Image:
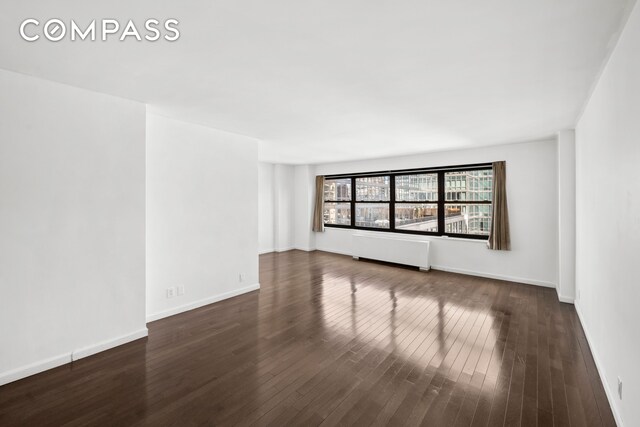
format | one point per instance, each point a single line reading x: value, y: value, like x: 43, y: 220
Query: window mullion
x: 441, y: 210
x: 353, y: 202
x: 392, y: 203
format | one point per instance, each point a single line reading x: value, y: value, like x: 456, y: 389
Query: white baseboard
x: 202, y: 302
x: 106, y: 345
x: 565, y: 299
x: 54, y: 362
x: 334, y: 251
x: 599, y: 368
x: 496, y: 276
x: 268, y: 251
x: 34, y: 368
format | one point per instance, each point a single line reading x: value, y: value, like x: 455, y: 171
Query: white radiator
x: 392, y: 249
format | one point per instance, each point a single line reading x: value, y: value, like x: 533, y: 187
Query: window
x: 337, y: 201
x: 450, y: 201
x: 470, y: 192
x: 370, y: 191
x: 410, y: 215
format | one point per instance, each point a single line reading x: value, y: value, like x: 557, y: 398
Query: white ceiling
x: 321, y: 81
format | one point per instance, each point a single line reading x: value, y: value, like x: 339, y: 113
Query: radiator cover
x: 394, y: 249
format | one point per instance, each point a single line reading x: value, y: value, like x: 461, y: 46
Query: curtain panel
x: 499, y: 235
x: 318, y: 218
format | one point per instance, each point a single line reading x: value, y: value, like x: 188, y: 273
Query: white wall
x: 566, y: 216
x: 72, y: 211
x: 304, y: 198
x: 283, y: 200
x: 202, y: 228
x: 608, y: 223
x: 266, y: 224
x: 533, y: 213
x: 281, y: 217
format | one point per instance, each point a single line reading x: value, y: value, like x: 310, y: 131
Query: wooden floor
x: 327, y: 341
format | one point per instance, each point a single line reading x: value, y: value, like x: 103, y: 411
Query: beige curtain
x: 318, y: 218
x: 499, y: 236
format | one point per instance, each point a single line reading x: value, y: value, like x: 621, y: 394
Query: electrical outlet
x: 171, y: 292
x: 619, y: 388
x: 180, y: 290
x: 241, y: 277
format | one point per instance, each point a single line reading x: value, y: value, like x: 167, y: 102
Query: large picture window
x: 446, y: 201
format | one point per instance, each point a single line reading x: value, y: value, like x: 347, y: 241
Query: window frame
x: 440, y: 203
x: 337, y: 201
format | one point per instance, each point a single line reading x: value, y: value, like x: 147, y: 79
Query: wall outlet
x: 171, y: 292
x: 619, y: 388
x: 180, y: 290
x: 241, y: 277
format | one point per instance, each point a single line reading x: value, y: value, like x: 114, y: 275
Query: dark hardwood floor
x: 327, y: 341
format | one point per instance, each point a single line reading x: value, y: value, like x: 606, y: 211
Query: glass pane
x: 417, y: 188
x: 467, y: 219
x: 338, y: 190
x: 468, y: 185
x: 375, y: 215
x: 418, y: 217
x: 373, y: 189
x: 337, y: 213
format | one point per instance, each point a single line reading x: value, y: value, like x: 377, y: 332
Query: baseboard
x: 200, y: 303
x: 268, y: 251
x: 334, y: 251
x: 106, y: 345
x: 496, y: 276
x: 63, y: 359
x: 603, y: 379
x: 565, y: 299
x: 34, y: 368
